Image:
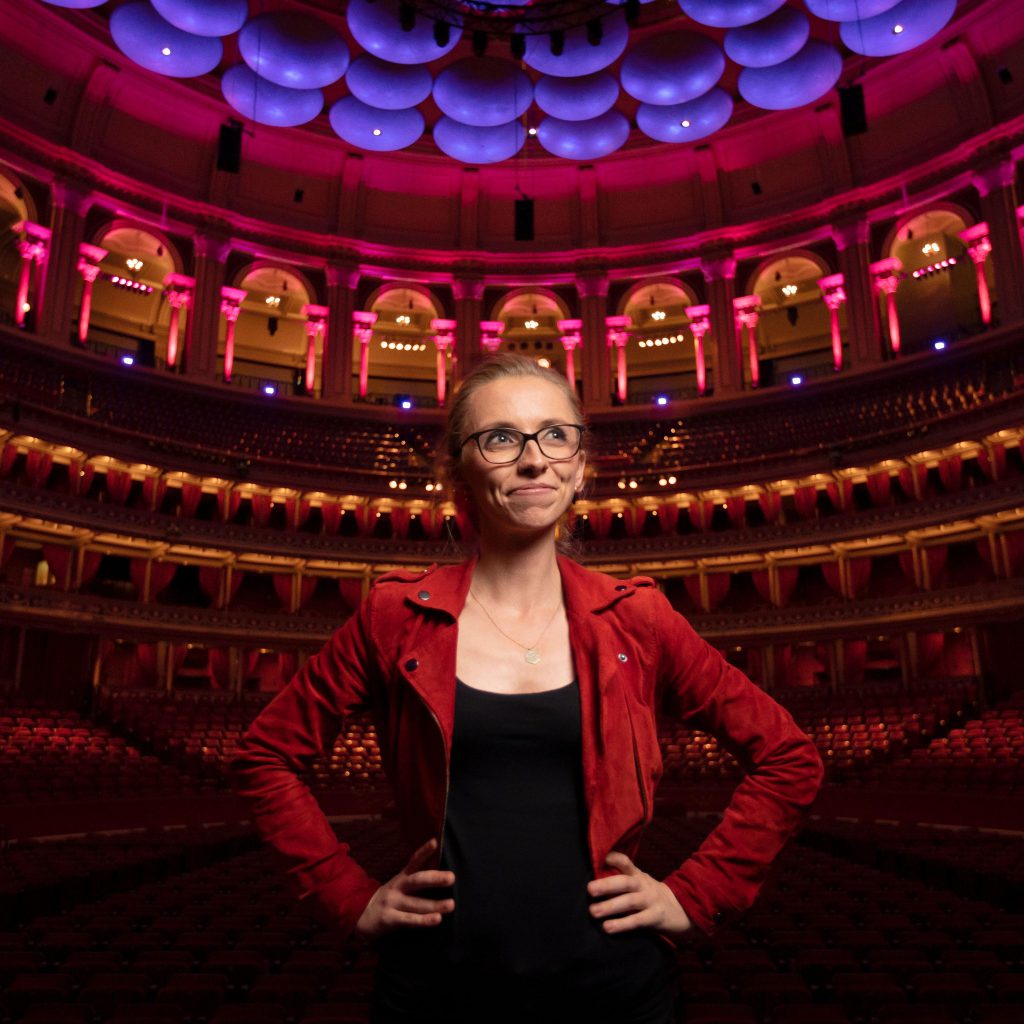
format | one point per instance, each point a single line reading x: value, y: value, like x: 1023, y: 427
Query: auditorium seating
x: 832, y: 939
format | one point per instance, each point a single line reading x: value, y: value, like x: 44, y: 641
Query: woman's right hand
x: 395, y: 904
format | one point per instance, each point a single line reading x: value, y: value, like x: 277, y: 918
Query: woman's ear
x: 580, y: 472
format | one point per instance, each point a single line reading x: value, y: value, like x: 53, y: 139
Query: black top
x: 515, y: 837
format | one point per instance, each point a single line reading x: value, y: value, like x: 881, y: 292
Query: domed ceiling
x: 479, y: 79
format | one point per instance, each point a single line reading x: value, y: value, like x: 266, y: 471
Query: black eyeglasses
x: 502, y: 445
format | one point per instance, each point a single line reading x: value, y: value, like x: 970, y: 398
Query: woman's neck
x: 521, y: 575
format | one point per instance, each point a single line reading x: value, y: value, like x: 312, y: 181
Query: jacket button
x: 424, y: 595
x: 411, y: 665
x: 718, y: 917
x: 622, y: 586
x: 623, y: 657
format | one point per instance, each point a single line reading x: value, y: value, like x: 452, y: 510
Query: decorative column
x: 69, y: 204
x: 316, y: 328
x: 468, y: 290
x: 592, y: 288
x: 178, y: 290
x: 700, y: 325
x: 979, y: 246
x: 33, y: 249
x: 835, y: 295
x: 997, y: 188
x: 748, y: 314
x: 571, y: 340
x: 616, y: 337
x: 89, y: 259
x: 444, y: 338
x: 863, y: 331
x: 490, y: 335
x: 336, y: 362
x: 886, y: 276
x: 231, y: 300
x: 362, y: 328
x: 719, y: 274
x: 200, y: 356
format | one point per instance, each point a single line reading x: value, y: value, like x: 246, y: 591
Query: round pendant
x: 532, y: 656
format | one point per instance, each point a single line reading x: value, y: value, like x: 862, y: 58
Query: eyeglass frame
x: 525, y: 440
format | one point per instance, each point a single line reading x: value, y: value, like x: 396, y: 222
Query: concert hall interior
x: 248, y: 249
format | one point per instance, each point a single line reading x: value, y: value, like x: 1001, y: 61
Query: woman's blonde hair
x: 503, y: 366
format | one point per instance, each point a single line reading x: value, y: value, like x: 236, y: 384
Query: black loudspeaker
x: 851, y: 110
x: 229, y: 148
x: 524, y: 220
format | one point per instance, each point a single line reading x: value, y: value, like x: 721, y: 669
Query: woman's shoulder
x: 602, y: 589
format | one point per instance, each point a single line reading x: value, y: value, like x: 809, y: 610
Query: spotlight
x: 796, y: 380
x: 479, y: 43
x: 557, y: 42
x: 442, y: 33
x: 517, y: 46
x: 127, y: 360
x: 661, y: 400
x: 939, y: 345
x: 595, y: 32
x: 269, y: 389
x: 407, y: 16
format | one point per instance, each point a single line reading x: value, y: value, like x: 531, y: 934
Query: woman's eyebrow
x: 502, y: 425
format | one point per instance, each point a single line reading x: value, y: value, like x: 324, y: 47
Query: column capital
x: 886, y: 274
x: 468, y: 286
x: 617, y: 330
x: 179, y: 282
x: 977, y: 240
x: 490, y: 334
x: 362, y: 322
x: 833, y: 290
x: 211, y: 247
x: 592, y: 284
x: 89, y: 271
x: 91, y: 253
x: 316, y: 317
x: 847, y: 234
x: 570, y: 331
x: 699, y: 317
x: 343, y: 275
x: 996, y: 176
x: 36, y: 243
x: 231, y: 300
x: 718, y: 268
x: 444, y: 332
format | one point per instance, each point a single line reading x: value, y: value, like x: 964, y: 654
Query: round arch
x: 754, y: 279
x: 380, y: 293
x: 510, y: 297
x: 661, y: 282
x: 128, y: 224
x: 15, y: 195
x: 898, y: 232
x: 256, y: 266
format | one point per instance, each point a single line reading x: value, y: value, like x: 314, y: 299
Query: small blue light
x: 796, y: 379
x: 939, y: 345
x: 269, y: 389
x: 661, y: 400
x: 128, y: 360
x: 406, y: 403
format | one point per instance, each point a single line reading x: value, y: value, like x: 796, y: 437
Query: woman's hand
x: 633, y: 899
x: 396, y: 905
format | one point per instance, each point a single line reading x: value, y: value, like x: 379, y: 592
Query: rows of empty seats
x: 871, y: 411
x: 199, y: 734
x: 55, y: 754
x: 831, y: 941
x: 985, y: 752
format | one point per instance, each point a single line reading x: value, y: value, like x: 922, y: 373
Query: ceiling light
x: 269, y: 389
x: 685, y: 123
x: 633, y: 485
x: 671, y: 480
x: 939, y: 345
x: 531, y: 131
x: 796, y: 379
x: 133, y: 263
x: 531, y: 325
x: 789, y: 289
x: 406, y: 403
x: 273, y: 300
x: 897, y: 30
x: 166, y: 51
x: 403, y: 319
x: 128, y: 360
x: 546, y: 363
x: 376, y: 131
x: 658, y: 314
x: 661, y: 400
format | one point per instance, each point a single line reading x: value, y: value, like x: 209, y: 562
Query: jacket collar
x: 446, y: 588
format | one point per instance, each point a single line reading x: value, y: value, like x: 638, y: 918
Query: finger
x: 612, y: 885
x: 427, y: 880
x: 421, y: 858
x: 400, y: 919
x: 418, y: 905
x: 643, y: 919
x: 622, y: 863
x: 620, y: 905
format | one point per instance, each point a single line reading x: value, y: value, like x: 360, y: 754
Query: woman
x: 515, y: 697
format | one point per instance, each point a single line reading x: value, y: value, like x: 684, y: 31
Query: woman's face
x: 531, y: 494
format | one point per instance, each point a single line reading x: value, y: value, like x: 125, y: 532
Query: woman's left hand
x: 633, y: 899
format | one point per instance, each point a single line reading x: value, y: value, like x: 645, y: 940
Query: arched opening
x: 793, y: 330
x: 129, y: 315
x: 402, y: 358
x: 270, y: 333
x: 937, y: 295
x: 662, y: 359
x: 14, y: 208
x: 529, y: 319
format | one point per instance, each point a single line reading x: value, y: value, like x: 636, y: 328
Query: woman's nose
x: 531, y: 455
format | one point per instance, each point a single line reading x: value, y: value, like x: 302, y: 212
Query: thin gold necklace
x: 532, y: 655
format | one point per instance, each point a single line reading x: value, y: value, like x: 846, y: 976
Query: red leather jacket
x: 634, y: 655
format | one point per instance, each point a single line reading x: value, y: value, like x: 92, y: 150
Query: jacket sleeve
x: 300, y: 723
x: 782, y: 765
